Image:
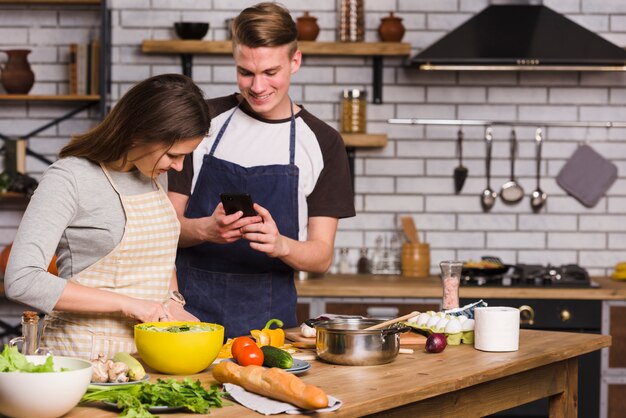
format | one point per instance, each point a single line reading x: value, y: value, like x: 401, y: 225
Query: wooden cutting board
x: 407, y: 338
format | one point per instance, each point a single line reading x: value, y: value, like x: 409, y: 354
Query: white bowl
x: 44, y: 395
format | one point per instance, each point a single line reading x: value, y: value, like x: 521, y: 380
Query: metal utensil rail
x: 481, y: 122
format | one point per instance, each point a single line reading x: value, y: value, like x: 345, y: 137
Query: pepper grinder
x: 450, y: 280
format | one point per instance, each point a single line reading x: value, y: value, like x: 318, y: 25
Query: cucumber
x: 275, y: 357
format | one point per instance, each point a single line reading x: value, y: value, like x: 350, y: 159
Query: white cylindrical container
x: 496, y: 328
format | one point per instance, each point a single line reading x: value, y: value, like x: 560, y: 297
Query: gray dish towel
x: 587, y: 176
x: 267, y: 406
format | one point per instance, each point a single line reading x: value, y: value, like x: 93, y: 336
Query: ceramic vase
x: 391, y: 28
x: 17, y: 76
x: 307, y: 26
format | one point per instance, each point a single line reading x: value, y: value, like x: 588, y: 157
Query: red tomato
x: 250, y: 354
x: 239, y: 343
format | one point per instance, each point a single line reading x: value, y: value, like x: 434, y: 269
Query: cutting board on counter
x: 407, y: 338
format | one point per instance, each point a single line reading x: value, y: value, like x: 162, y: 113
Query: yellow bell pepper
x: 267, y: 336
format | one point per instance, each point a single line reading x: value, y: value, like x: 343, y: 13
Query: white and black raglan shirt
x: 324, y: 184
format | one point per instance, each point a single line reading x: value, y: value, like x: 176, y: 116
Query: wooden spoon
x: 392, y: 321
x: 410, y: 231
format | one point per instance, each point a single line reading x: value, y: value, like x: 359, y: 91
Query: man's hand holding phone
x: 234, y: 202
x: 228, y: 221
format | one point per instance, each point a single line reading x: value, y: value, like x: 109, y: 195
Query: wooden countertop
x: 460, y: 379
x: 390, y: 286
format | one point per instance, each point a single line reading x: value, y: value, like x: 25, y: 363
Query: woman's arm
x: 49, y: 212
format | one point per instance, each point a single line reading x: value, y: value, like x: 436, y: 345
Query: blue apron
x: 232, y: 284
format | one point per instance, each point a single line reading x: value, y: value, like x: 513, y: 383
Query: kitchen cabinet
x: 614, y: 360
x: 617, y: 401
x: 82, y: 102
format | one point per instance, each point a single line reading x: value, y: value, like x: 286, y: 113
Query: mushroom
x: 99, y: 370
x: 118, y: 371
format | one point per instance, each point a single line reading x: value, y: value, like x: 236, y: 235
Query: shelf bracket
x: 187, y: 63
x: 43, y: 128
x: 377, y: 79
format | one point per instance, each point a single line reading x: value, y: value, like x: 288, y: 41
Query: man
x: 235, y: 270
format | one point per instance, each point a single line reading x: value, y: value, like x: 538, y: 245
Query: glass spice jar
x: 29, y: 340
x: 351, y: 21
x: 353, y: 111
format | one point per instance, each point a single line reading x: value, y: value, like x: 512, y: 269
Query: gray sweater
x: 76, y: 213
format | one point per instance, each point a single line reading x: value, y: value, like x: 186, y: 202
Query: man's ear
x: 296, y: 61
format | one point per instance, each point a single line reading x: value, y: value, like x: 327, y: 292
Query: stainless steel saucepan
x: 347, y: 342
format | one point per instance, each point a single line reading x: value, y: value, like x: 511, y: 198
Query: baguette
x: 274, y: 383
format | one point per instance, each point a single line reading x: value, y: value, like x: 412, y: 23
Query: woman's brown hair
x: 159, y: 110
x: 265, y: 25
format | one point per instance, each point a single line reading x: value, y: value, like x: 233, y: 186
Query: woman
x: 102, y: 208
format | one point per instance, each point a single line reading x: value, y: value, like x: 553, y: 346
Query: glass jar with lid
x: 353, y: 111
x: 351, y: 26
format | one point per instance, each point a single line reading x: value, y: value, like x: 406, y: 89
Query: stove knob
x: 565, y: 315
x: 526, y: 315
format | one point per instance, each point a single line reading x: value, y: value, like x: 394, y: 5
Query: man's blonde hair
x: 265, y: 25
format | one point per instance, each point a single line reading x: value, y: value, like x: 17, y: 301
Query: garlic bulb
x: 307, y: 331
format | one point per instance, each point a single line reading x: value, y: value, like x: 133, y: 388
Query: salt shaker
x: 344, y: 263
x: 450, y: 280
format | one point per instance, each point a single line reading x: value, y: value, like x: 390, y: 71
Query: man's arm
x: 314, y: 255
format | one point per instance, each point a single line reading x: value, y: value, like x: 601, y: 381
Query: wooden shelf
x: 364, y: 140
x: 377, y: 50
x: 59, y: 2
x: 49, y: 98
x: 13, y: 198
x: 307, y: 48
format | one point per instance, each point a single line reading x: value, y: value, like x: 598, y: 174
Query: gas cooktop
x: 529, y: 275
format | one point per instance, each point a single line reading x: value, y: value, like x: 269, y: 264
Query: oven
x: 561, y: 315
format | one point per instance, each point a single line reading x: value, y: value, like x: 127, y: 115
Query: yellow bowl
x: 179, y: 353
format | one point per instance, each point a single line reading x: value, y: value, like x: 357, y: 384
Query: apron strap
x: 108, y: 176
x: 292, y: 136
x: 223, y: 129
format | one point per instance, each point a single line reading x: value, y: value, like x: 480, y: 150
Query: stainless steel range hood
x: 521, y: 36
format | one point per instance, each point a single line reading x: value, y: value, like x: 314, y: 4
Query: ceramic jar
x: 391, y: 28
x: 415, y: 259
x: 307, y: 26
x: 17, y: 76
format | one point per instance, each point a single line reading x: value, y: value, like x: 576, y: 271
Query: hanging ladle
x: 538, y: 196
x: 488, y: 197
x: 511, y: 191
x: 460, y: 172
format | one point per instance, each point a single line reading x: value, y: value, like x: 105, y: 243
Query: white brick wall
x: 413, y: 174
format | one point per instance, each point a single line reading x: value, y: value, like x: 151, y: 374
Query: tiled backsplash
x: 413, y: 173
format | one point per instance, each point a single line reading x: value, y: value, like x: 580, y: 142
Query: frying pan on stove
x: 483, y: 268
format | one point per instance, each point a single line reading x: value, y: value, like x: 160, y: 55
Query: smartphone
x: 234, y: 202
